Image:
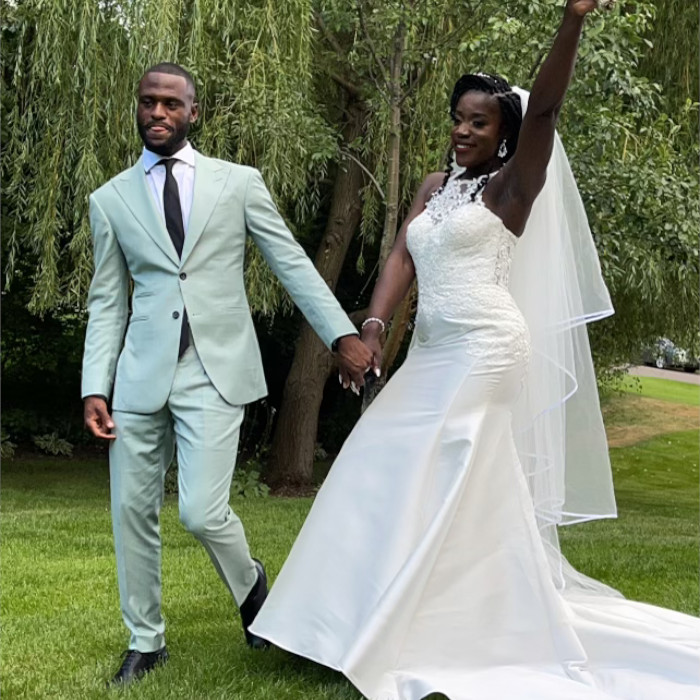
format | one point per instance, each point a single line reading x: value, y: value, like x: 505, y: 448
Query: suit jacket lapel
x: 134, y: 190
x: 209, y: 181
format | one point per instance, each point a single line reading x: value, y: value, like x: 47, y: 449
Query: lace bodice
x: 462, y: 254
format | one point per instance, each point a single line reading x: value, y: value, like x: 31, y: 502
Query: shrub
x: 7, y: 447
x: 53, y: 445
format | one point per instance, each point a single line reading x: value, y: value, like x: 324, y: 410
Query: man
x: 181, y: 366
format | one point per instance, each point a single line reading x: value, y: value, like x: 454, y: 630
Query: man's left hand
x: 354, y: 358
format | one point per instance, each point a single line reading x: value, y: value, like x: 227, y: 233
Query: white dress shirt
x: 183, y: 170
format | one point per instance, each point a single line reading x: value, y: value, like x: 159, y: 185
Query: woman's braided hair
x: 509, y: 101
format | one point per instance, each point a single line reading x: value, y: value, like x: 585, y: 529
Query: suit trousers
x: 205, y: 429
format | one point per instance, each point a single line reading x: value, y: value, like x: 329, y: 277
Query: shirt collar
x: 150, y: 159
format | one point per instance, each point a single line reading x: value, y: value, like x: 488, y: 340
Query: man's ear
x: 194, y: 112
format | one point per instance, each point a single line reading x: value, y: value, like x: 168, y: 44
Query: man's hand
x: 354, y: 359
x: 97, y: 418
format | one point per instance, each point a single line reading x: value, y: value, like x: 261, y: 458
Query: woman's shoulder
x: 429, y: 186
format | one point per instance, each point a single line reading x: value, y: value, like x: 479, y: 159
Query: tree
x: 347, y: 102
x: 389, y: 61
x: 671, y: 58
x: 68, y: 94
x: 617, y: 136
x: 635, y: 153
x: 69, y: 78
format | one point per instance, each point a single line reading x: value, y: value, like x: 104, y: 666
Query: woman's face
x: 476, y: 133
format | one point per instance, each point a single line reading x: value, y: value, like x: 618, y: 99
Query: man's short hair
x: 172, y: 69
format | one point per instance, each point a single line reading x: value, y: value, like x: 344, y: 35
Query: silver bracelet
x: 373, y: 319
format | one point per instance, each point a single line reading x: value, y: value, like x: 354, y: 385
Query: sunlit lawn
x: 61, y: 627
x: 62, y: 631
x: 657, y: 388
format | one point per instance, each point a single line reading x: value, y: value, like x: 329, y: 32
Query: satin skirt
x: 420, y: 567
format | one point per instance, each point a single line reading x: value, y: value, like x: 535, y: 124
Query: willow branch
x: 415, y: 82
x: 328, y: 34
x: 362, y: 166
x: 352, y: 89
x: 370, y: 44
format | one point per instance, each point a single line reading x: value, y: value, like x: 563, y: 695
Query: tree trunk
x: 292, y: 453
x: 394, y: 158
x: 401, y: 316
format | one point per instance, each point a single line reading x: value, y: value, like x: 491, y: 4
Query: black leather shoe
x: 136, y: 664
x: 251, y: 606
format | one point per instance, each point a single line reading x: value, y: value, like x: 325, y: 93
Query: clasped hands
x: 355, y: 358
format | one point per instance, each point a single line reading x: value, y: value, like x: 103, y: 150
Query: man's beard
x: 168, y: 147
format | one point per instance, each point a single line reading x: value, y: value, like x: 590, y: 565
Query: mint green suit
x: 196, y: 400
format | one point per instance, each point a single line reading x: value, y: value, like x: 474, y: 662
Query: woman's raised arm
x: 524, y: 175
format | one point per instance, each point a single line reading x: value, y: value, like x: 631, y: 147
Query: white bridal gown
x: 421, y: 568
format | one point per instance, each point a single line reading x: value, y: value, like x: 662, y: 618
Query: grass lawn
x: 62, y: 630
x: 650, y: 552
x: 656, y: 388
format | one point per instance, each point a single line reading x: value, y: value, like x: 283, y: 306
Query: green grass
x: 650, y: 552
x: 655, y: 388
x: 62, y: 630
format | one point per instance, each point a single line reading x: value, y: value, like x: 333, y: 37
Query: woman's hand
x: 583, y: 7
x: 371, y: 339
x: 354, y: 359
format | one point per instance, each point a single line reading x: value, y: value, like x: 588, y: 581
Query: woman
x: 429, y: 561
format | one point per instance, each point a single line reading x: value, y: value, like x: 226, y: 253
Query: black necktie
x: 176, y: 229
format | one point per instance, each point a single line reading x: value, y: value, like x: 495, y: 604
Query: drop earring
x: 502, y: 150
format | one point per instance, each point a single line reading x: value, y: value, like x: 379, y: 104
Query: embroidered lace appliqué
x: 503, y: 260
x: 456, y: 193
x: 462, y: 254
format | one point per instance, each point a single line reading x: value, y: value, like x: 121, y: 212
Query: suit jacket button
x: 183, y: 275
x: 176, y: 314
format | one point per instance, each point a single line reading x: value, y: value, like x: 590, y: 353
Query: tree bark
x: 292, y: 452
x: 401, y: 316
x: 394, y: 159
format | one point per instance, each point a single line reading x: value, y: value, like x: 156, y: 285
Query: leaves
x: 69, y: 84
x: 273, y: 80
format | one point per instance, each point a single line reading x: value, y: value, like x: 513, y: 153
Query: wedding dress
x: 426, y: 563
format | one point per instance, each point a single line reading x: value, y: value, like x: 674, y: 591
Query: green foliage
x: 637, y: 170
x: 35, y: 350
x: 7, y: 447
x: 274, y: 80
x: 23, y: 425
x: 635, y: 161
x: 52, y: 444
x: 247, y: 481
x: 69, y: 83
x: 671, y: 58
x: 635, y: 164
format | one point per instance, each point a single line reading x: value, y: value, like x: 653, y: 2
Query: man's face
x: 165, y: 111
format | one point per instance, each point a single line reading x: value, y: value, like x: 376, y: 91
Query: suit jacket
x: 136, y: 355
